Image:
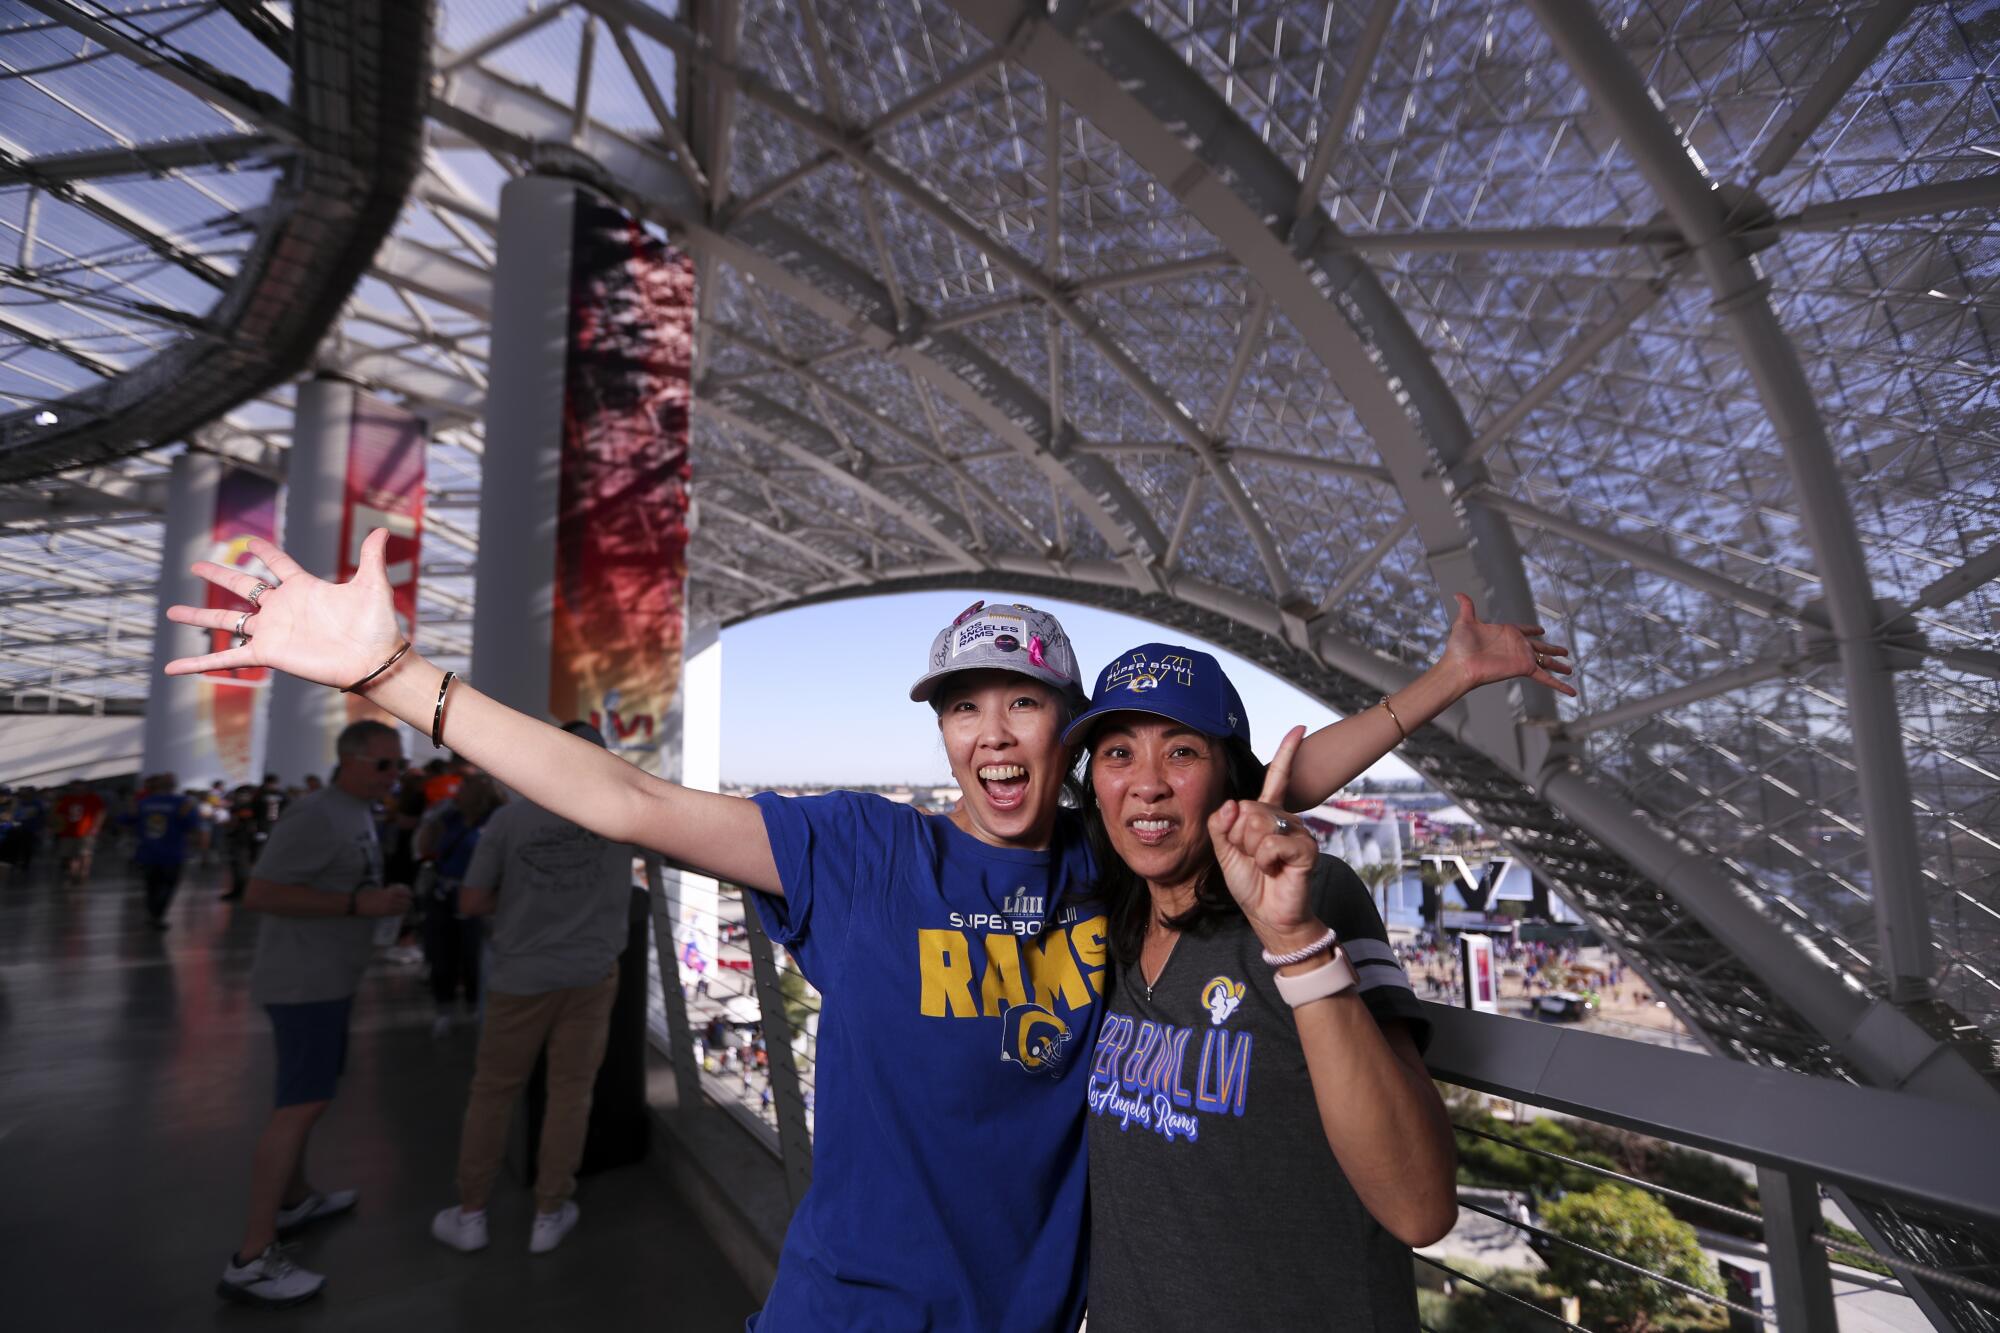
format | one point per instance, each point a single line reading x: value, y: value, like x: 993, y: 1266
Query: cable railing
x: 1783, y: 1138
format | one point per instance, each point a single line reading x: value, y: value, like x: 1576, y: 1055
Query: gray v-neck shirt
x: 1215, y: 1201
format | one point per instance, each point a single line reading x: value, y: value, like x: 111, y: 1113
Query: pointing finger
x: 1279, y: 775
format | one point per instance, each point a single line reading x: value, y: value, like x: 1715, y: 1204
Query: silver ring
x: 1541, y: 661
x: 242, y: 635
x: 1282, y: 826
x: 259, y: 591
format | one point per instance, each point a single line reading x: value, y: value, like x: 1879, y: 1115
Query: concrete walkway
x: 134, y: 1075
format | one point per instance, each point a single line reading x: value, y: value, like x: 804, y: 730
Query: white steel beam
x: 1708, y: 687
x: 862, y: 157
x: 1656, y: 146
x: 1138, y: 91
x: 785, y: 430
x: 1810, y: 111
x: 509, y: 119
x: 1641, y: 556
x: 150, y: 159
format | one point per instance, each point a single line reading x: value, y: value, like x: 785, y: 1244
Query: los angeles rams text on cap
x: 973, y: 633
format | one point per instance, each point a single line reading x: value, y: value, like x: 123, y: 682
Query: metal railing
x: 1874, y: 1153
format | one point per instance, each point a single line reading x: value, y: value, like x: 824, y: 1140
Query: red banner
x: 621, y: 527
x: 246, y: 506
x: 385, y: 489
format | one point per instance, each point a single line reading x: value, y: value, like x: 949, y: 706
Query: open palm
x: 329, y: 633
x: 1485, y: 652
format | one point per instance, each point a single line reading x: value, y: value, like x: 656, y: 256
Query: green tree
x: 1636, y: 1227
x: 1377, y: 875
x: 800, y: 1002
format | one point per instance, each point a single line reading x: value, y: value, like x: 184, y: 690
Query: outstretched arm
x: 336, y: 633
x: 1475, y: 654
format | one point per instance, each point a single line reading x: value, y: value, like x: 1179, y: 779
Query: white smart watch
x: 1332, y: 977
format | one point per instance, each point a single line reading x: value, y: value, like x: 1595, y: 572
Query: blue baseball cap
x: 1166, y: 680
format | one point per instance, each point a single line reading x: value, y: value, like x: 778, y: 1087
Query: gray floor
x: 134, y: 1074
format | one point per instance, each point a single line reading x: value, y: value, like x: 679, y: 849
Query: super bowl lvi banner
x: 385, y: 489
x: 246, y: 506
x: 621, y: 518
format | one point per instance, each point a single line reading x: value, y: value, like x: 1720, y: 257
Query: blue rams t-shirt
x: 165, y: 820
x: 961, y: 989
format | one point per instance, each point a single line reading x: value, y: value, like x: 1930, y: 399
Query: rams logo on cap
x: 1140, y: 684
x: 1220, y: 997
x: 1033, y: 1038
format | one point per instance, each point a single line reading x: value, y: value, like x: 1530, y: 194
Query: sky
x: 820, y: 695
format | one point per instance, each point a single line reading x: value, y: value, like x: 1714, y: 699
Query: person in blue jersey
x: 165, y: 819
x: 1259, y: 1106
x: 961, y: 978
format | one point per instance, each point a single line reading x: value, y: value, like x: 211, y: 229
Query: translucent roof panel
x: 1262, y: 319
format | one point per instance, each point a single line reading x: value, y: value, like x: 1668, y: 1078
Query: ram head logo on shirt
x: 1033, y: 1038
x: 1220, y: 997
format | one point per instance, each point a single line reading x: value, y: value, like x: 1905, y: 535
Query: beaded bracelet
x: 1313, y: 950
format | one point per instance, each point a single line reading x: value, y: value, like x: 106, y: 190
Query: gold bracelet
x: 380, y: 669
x: 1400, y: 731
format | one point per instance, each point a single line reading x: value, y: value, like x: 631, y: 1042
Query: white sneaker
x: 271, y: 1280
x: 550, y: 1228
x: 313, y: 1208
x: 461, y: 1230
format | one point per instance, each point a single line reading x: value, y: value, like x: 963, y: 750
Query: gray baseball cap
x: 1004, y: 636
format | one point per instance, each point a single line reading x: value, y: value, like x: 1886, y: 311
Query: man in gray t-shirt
x: 318, y: 886
x: 559, y: 895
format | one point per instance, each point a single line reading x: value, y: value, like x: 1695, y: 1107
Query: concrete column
x: 174, y: 739
x: 693, y: 748
x: 513, y: 625
x: 513, y: 616
x: 305, y: 717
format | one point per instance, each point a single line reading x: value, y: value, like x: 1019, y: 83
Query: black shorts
x: 312, y: 1048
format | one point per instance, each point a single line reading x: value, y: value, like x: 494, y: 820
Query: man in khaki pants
x: 559, y: 896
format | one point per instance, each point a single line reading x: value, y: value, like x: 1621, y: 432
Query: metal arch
x: 1600, y: 66
x: 358, y: 84
x: 1172, y: 123
x: 806, y: 375
x: 1581, y: 821
x: 787, y: 431
x: 1031, y: 277
x: 510, y: 119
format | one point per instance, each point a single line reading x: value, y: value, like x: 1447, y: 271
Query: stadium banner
x: 1480, y: 977
x: 246, y: 506
x: 385, y: 489
x: 621, y: 514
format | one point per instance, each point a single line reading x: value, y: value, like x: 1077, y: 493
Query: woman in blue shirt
x: 960, y: 977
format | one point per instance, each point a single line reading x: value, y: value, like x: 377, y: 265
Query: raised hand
x: 1267, y: 857
x: 1484, y: 653
x: 332, y: 633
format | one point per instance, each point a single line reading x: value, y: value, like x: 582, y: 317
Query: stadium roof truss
x: 1670, y: 326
